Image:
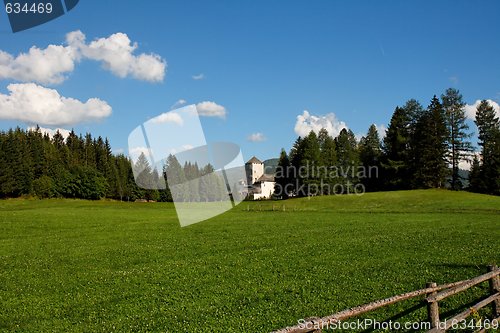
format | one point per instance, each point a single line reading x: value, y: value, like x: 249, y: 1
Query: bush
x: 89, y: 184
x: 44, y: 187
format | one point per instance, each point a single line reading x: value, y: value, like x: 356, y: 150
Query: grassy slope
x: 99, y: 266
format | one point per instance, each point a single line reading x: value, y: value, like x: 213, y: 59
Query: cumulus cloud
x: 256, y: 137
x: 470, y: 109
x: 116, y: 54
x: 211, y: 109
x: 466, y: 163
x: 64, y: 132
x: 198, y: 77
x: 52, y: 64
x: 135, y: 152
x: 178, y: 104
x: 306, y: 123
x: 169, y: 117
x: 47, y: 66
x: 31, y: 103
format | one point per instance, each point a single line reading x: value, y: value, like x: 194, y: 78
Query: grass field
x: 114, y: 267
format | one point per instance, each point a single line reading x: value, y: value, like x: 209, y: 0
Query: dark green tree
x: 284, y: 183
x: 396, y: 148
x: 459, y: 146
x: 431, y: 153
x: 348, y: 160
x: 488, y: 125
x: 370, y: 152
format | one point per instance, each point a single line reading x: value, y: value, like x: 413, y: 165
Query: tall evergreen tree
x: 476, y: 183
x: 459, y: 146
x: 328, y: 154
x: 396, y: 148
x: 348, y: 159
x: 328, y: 161
x: 370, y: 153
x: 311, y: 162
x: 284, y: 183
x: 431, y: 153
x: 488, y: 125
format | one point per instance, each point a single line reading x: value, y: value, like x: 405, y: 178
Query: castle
x: 259, y: 184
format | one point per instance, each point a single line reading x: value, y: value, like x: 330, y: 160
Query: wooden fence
x: 433, y: 293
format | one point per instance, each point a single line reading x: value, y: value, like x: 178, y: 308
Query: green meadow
x: 107, y: 266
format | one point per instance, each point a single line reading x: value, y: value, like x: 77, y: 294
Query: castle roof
x: 266, y: 178
x: 254, y: 160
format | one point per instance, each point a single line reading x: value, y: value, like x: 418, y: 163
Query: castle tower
x: 254, y: 169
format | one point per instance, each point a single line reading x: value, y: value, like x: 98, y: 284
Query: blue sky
x: 265, y: 62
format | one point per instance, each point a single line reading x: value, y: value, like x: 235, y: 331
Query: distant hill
x: 464, y: 174
x: 270, y: 165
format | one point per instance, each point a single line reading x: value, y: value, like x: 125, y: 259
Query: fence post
x: 433, y: 308
x: 495, y: 288
x: 316, y: 328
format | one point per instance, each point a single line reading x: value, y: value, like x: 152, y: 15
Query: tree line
x: 186, y: 183
x: 422, y: 148
x: 33, y: 163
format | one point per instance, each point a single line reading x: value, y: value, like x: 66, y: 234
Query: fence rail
x: 433, y: 293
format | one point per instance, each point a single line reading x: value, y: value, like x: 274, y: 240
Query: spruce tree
x: 396, y: 148
x: 348, y: 160
x: 370, y: 153
x: 488, y: 125
x: 459, y: 146
x: 284, y: 184
x: 431, y: 153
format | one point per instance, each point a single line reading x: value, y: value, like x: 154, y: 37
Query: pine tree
x: 328, y: 154
x: 176, y: 180
x: 311, y: 162
x: 488, y: 126
x: 459, y: 146
x: 476, y: 183
x: 297, y: 160
x: 396, y: 148
x: 431, y: 134
x: 328, y: 160
x: 147, y: 178
x: 348, y: 159
x: 284, y: 183
x: 370, y: 153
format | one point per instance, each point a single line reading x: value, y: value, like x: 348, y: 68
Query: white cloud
x: 466, y: 164
x: 64, y: 132
x: 307, y: 123
x: 52, y: 64
x: 211, y: 109
x: 198, y: 77
x: 470, y: 109
x: 47, y: 66
x: 256, y: 137
x: 381, y: 129
x: 33, y: 104
x: 169, y: 117
x: 116, y: 54
x: 178, y: 104
x: 135, y: 152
